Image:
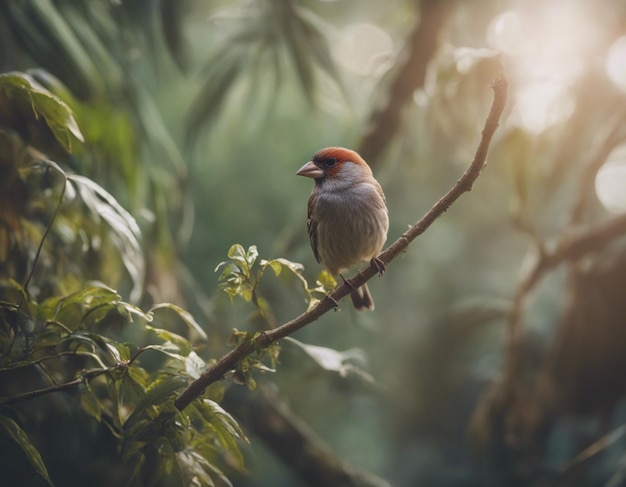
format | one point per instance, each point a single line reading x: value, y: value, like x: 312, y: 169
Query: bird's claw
x: 346, y: 282
x: 379, y: 265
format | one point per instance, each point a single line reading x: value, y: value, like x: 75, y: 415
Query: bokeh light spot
x: 611, y: 181
x: 546, y: 46
x: 616, y: 63
x: 542, y: 105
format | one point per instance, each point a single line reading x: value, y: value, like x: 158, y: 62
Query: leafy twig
x: 266, y: 338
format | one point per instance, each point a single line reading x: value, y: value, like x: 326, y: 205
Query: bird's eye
x: 331, y: 161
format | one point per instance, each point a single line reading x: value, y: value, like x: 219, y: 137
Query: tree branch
x: 384, y: 122
x: 569, y: 247
x: 266, y: 338
x: 293, y: 441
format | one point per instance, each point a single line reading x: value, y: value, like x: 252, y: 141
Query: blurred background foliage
x: 140, y: 140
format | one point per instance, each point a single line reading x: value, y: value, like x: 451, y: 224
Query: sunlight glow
x: 546, y: 48
x: 541, y: 105
x: 616, y: 63
x: 507, y: 33
x: 611, y: 181
x: 365, y: 49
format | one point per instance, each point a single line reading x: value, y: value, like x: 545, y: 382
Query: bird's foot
x: 379, y: 265
x: 334, y: 301
x: 346, y: 282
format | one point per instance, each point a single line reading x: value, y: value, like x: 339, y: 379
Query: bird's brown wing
x: 311, y: 226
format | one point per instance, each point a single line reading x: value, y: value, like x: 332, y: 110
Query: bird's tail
x: 362, y: 299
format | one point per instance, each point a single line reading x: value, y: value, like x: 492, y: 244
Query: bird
x: 347, y: 217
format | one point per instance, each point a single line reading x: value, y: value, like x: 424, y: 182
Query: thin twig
x: 30, y: 363
x: 87, y: 375
x: 43, y: 237
x: 576, y: 466
x: 266, y: 338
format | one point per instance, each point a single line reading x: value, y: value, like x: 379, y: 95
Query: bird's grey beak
x: 310, y: 170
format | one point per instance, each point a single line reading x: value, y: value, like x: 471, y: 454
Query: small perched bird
x: 347, y: 217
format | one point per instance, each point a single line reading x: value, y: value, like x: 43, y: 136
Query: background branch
x: 266, y: 338
x: 569, y: 247
x: 294, y: 442
x: 383, y: 124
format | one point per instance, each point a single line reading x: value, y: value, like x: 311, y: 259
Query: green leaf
x: 221, y: 424
x: 125, y: 231
x: 237, y: 254
x: 80, y: 309
x: 90, y: 403
x: 80, y: 343
x: 156, y: 396
x: 186, y: 316
x: 118, y: 350
x: 183, y: 345
x: 333, y: 360
x: 139, y: 376
x: 227, y: 432
x: 103, y: 349
x: 194, y: 365
x: 277, y: 265
x: 217, y: 476
x: 191, y: 364
x: 280, y: 264
x: 251, y: 255
x: 227, y: 269
x: 195, y: 467
x: 326, y: 280
x: 55, y: 112
x: 21, y: 438
x: 131, y: 309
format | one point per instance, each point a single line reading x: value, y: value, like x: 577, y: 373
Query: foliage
x: 18, y: 435
x: 87, y: 339
x: 241, y: 277
x: 54, y: 111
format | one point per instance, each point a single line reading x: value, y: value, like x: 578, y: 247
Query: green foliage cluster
x: 241, y: 277
x: 64, y: 332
